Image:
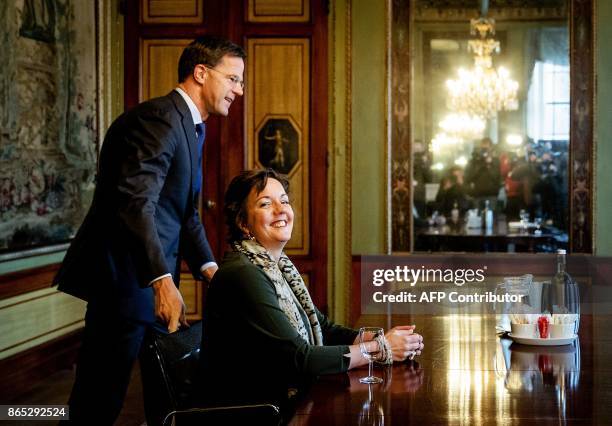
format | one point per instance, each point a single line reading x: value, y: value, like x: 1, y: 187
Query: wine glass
x: 371, y: 350
x: 524, y: 216
x: 538, y: 223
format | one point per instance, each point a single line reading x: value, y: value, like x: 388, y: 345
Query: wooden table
x: 469, y: 375
x: 499, y: 239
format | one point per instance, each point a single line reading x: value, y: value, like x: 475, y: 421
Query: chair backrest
x: 169, y: 366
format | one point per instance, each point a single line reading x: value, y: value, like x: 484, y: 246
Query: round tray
x: 537, y: 341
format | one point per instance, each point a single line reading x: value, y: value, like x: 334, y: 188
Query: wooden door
x: 281, y: 122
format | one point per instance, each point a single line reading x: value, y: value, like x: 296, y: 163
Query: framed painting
x: 49, y: 116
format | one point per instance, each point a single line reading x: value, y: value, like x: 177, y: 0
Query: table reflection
x: 503, y: 236
x: 467, y: 351
x: 372, y: 411
x: 552, y: 370
x: 469, y: 375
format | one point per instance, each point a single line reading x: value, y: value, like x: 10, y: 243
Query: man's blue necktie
x: 200, y: 131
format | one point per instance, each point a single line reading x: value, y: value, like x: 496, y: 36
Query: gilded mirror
x: 485, y: 117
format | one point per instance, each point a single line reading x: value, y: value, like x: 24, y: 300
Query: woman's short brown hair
x: 237, y: 193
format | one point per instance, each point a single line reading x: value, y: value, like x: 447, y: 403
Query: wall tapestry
x: 49, y: 119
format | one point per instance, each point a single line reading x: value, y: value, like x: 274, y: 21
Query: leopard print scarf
x: 290, y: 289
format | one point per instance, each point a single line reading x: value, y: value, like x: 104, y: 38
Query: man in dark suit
x: 125, y: 259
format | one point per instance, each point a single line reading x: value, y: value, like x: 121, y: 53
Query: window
x: 548, y: 106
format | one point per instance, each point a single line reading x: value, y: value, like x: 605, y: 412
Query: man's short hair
x: 207, y: 50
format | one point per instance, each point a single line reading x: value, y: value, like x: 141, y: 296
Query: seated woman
x: 452, y: 193
x: 262, y: 335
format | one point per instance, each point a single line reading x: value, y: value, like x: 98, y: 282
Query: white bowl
x: 523, y: 330
x: 561, y: 330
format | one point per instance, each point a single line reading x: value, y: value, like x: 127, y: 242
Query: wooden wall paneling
x: 306, y: 279
x: 159, y: 45
x: 160, y: 66
x: 278, y: 100
x: 230, y: 151
x: 136, y: 31
x: 191, y: 291
x: 40, y: 351
x: 25, y: 281
x: 41, y: 316
x: 171, y: 11
x: 278, y: 11
x: 226, y: 149
x: 21, y: 371
x: 319, y: 158
x: 314, y: 262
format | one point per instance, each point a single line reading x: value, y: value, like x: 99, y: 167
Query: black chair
x: 169, y: 365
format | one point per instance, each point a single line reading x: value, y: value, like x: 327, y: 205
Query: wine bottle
x: 455, y: 213
x: 567, y: 295
x: 488, y: 217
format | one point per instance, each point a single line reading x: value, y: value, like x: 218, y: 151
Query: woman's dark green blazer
x: 250, y: 352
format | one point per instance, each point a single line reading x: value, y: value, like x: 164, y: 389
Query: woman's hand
x: 404, y: 341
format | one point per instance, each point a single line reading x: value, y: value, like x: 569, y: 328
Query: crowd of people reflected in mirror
x: 490, y: 132
x: 502, y: 200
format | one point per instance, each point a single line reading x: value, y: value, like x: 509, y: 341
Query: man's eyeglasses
x: 232, y: 78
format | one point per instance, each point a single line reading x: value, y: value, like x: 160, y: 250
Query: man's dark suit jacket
x: 143, y: 219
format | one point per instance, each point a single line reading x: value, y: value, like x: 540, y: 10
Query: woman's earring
x: 248, y: 235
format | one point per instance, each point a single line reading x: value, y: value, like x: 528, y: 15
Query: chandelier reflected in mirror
x: 463, y: 125
x: 483, y: 90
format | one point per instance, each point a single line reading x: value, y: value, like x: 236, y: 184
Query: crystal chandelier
x: 463, y: 125
x: 441, y: 142
x: 483, y: 90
